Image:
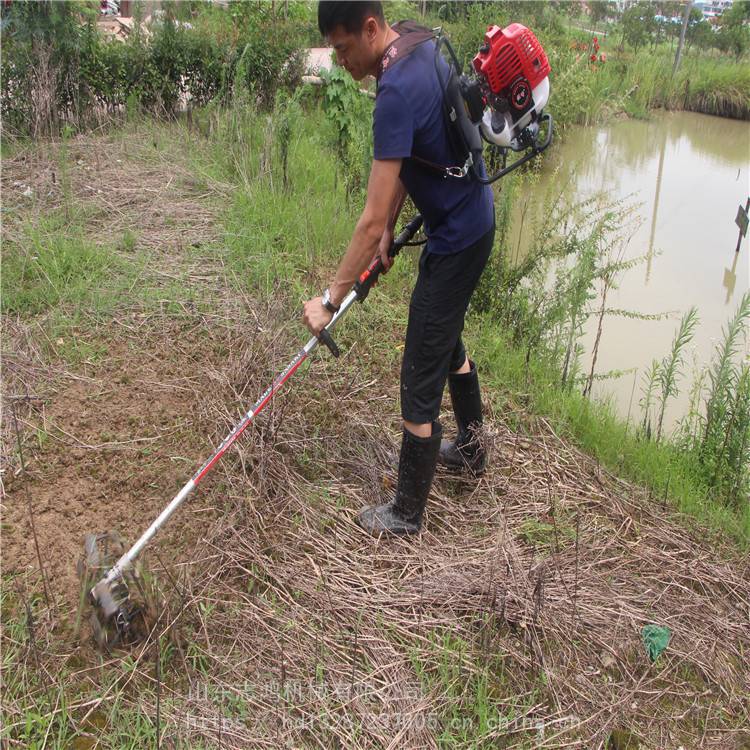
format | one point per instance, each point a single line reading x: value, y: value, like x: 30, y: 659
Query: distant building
x: 710, y: 8
x: 714, y: 8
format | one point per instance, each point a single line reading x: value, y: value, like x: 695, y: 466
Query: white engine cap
x: 504, y: 133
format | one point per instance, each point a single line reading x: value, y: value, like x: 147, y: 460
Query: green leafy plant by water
x: 723, y: 447
x: 669, y: 369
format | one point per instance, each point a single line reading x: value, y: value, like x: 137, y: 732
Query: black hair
x: 351, y: 15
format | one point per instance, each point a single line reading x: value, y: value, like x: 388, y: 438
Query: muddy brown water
x: 689, y: 173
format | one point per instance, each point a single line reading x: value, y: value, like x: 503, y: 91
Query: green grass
x: 670, y: 474
x: 714, y: 87
x: 53, y: 709
x: 45, y: 704
x: 482, y: 697
x: 271, y: 239
x: 53, y: 268
x: 53, y: 273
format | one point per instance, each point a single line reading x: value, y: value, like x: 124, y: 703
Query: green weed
x: 541, y: 534
x: 723, y: 444
x: 49, y: 269
x: 669, y: 368
x: 670, y: 472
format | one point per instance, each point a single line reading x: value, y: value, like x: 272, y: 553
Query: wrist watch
x: 326, y: 302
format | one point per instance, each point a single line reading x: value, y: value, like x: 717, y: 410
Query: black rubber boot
x: 465, y: 453
x: 416, y: 469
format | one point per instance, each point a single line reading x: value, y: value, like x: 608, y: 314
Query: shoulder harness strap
x: 411, y: 35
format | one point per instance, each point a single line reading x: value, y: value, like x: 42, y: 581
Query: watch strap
x: 326, y: 301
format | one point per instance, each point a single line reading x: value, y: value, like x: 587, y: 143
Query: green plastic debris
x: 655, y: 638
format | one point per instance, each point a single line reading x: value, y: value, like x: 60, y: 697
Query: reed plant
x: 669, y: 368
x: 715, y: 87
x: 648, y: 397
x: 722, y: 449
x: 586, y: 93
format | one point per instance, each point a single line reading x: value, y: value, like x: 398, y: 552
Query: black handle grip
x: 326, y: 338
x: 405, y: 235
x: 371, y: 274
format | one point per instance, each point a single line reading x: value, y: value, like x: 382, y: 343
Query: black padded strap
x: 411, y: 35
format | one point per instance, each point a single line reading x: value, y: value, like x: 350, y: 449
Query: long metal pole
x: 683, y: 31
x: 127, y: 559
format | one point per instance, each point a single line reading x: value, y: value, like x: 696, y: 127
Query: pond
x: 689, y: 173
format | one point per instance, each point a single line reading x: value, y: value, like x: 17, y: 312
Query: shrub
x: 58, y: 69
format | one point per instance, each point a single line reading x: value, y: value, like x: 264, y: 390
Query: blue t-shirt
x: 408, y: 119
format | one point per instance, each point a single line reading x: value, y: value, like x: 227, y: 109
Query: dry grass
x: 288, y: 627
x: 130, y: 192
x: 134, y: 182
x: 299, y: 596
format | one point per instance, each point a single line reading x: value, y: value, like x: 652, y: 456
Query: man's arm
x: 398, y: 204
x: 384, y: 193
x: 387, y: 239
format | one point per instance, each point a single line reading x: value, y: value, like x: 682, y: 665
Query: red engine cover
x: 508, y: 53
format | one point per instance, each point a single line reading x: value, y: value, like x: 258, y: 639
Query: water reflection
x: 689, y: 172
x: 655, y: 212
x: 633, y: 143
x: 730, y: 278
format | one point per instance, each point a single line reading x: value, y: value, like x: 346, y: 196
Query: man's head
x: 356, y: 31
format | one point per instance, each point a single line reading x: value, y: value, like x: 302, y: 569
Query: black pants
x: 436, y: 319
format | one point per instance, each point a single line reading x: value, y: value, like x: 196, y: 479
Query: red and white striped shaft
x: 127, y: 559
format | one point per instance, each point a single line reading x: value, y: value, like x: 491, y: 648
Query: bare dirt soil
x: 109, y: 440
x: 116, y: 445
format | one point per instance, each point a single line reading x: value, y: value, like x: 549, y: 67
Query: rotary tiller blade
x: 117, y: 619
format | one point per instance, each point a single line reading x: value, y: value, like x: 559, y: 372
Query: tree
x: 638, y: 24
x: 734, y: 39
x: 600, y: 10
x: 573, y: 9
x: 739, y: 12
x: 671, y: 8
x: 41, y: 51
x: 701, y: 35
x: 697, y: 27
x: 734, y: 36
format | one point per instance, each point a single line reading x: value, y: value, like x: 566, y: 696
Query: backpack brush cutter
x: 501, y: 105
x: 506, y: 98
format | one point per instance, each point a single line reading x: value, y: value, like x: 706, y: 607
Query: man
x: 409, y: 130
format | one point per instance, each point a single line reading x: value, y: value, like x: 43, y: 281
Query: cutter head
x: 116, y: 620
